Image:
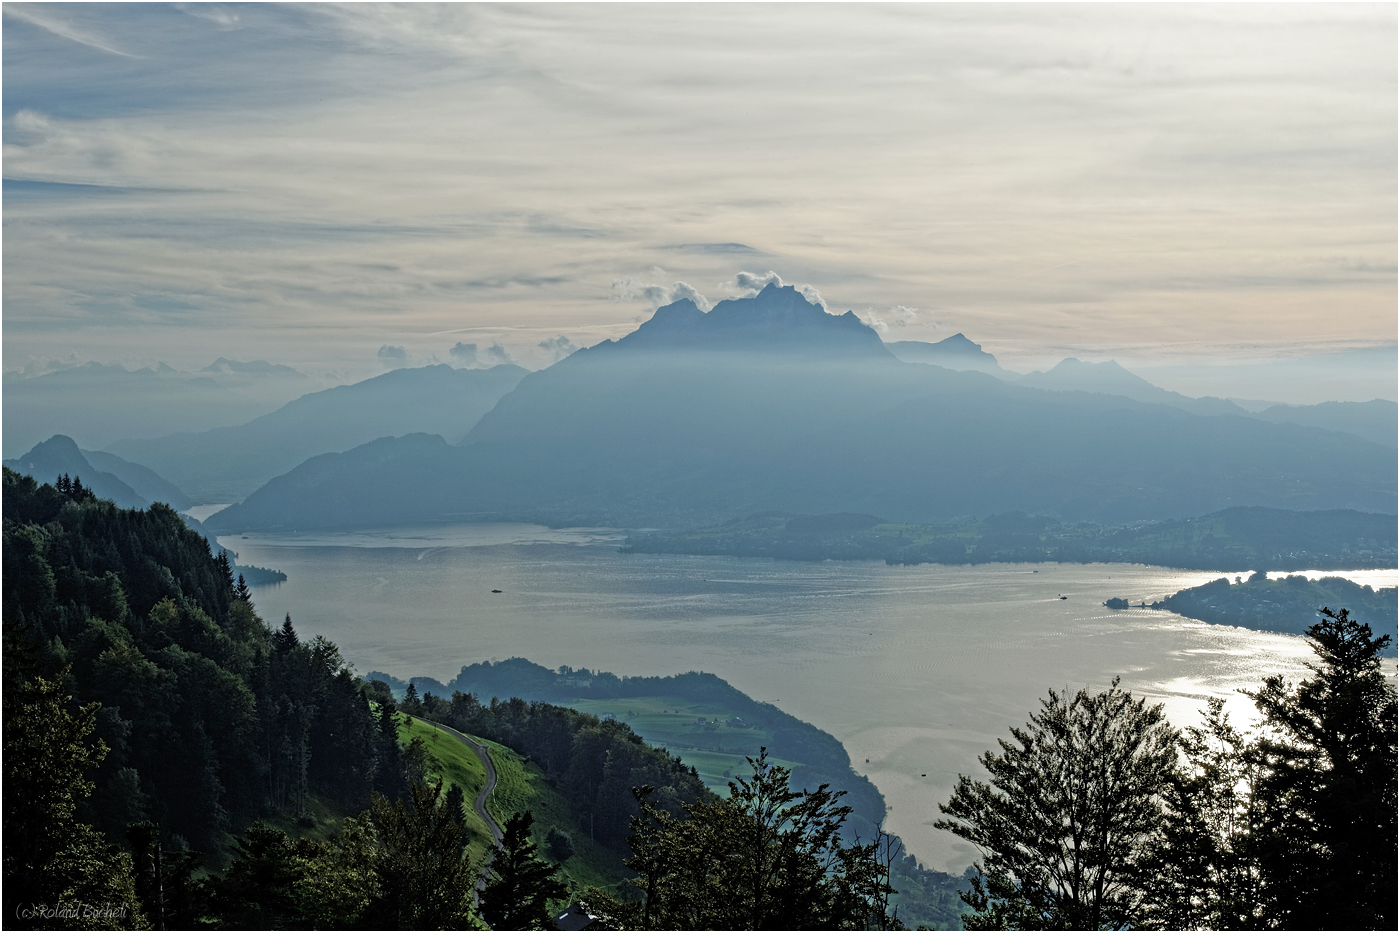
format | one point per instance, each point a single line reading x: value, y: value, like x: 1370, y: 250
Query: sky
x: 1189, y: 189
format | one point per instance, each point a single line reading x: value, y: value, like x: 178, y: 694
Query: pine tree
x: 285, y: 639
x: 1199, y: 873
x: 412, y: 705
x: 517, y: 896
x: 1326, y: 844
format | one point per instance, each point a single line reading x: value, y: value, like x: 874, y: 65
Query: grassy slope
x: 520, y: 786
x: 718, y: 755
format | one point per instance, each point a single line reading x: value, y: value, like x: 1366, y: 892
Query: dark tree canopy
x: 1326, y: 840
x: 766, y: 858
x: 521, y: 885
x: 1066, y: 817
x: 187, y: 713
x: 1098, y: 816
x: 1199, y: 873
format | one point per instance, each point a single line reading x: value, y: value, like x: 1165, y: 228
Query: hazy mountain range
x: 770, y: 402
x: 100, y: 404
x: 766, y: 402
x: 108, y: 476
x: 226, y: 464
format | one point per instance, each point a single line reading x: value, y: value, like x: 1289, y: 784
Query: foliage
x: 1071, y: 806
x: 1326, y: 838
x: 171, y: 896
x: 397, y: 866
x: 1287, y: 605
x: 188, y: 715
x: 425, y: 883
x: 1293, y: 829
x: 1199, y: 872
x: 925, y: 899
x: 817, y: 757
x: 521, y: 885
x: 561, y: 847
x: 768, y: 857
x: 593, y: 762
x: 54, y: 862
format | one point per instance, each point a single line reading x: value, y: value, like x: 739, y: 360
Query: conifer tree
x: 522, y: 883
x: 1326, y: 844
x: 768, y: 857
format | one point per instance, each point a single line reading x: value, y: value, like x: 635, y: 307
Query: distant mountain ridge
x: 1072, y: 375
x: 226, y: 464
x: 955, y: 352
x: 769, y: 402
x: 98, y: 404
x: 1376, y: 420
x: 59, y: 455
x: 222, y: 365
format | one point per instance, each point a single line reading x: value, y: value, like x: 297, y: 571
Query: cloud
x: 657, y: 295
x: 754, y: 282
x: 558, y: 347
x: 811, y: 294
x: 393, y: 357
x: 751, y: 283
x: 497, y: 354
x: 329, y: 174
x: 213, y: 12
x: 682, y: 290
x: 464, y: 353
x: 59, y: 27
x: 897, y: 316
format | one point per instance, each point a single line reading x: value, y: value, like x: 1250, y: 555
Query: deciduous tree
x: 1064, y: 820
x: 768, y: 857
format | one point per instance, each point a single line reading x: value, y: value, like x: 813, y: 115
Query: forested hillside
x: 823, y: 759
x: 594, y: 762
x: 190, y: 713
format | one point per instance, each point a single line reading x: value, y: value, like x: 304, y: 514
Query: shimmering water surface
x: 918, y: 669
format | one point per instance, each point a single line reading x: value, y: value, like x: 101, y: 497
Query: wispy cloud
x: 653, y: 295
x: 51, y: 17
x: 323, y: 175
x: 557, y: 347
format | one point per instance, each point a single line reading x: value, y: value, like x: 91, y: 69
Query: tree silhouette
x: 522, y: 883
x: 1071, y: 805
x: 768, y: 857
x: 1327, y: 790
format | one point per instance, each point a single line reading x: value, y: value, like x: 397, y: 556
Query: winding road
x: 479, y: 805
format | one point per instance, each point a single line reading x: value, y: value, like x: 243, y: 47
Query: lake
x: 917, y: 669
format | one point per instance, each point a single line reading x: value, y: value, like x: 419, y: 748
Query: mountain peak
x: 955, y: 352
x: 777, y: 319
x: 60, y: 445
x: 959, y: 342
